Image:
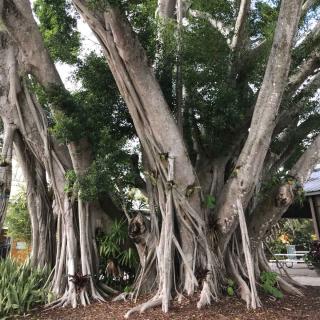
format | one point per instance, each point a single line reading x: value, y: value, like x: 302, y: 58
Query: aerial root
x: 123, y: 296
x: 294, y: 282
x: 288, y: 288
x: 106, y: 288
x: 254, y: 298
x: 95, y: 295
x: 83, y: 296
x: 53, y: 304
x: 57, y: 303
x: 245, y: 292
x: 205, y: 296
x: 103, y: 294
x: 154, y: 302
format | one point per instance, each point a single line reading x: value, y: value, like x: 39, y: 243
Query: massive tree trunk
x: 179, y: 237
x: 249, y: 165
x: 160, y: 138
x: 6, y: 167
x: 171, y: 169
x: 244, y: 180
x: 166, y: 8
x: 33, y: 56
x: 81, y: 159
x: 274, y: 204
x: 19, y: 109
x: 39, y: 206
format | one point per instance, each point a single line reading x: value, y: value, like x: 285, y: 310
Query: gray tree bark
x: 172, y: 178
x: 250, y: 162
x: 39, y: 207
x: 6, y: 168
x: 161, y: 141
x: 16, y: 110
x: 272, y: 207
x: 22, y: 28
x: 166, y: 8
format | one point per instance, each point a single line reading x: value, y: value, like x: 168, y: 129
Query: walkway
x: 302, y: 274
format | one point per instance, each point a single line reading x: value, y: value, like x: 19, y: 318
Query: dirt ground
x: 305, y: 307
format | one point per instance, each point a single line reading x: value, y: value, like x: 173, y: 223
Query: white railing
x: 290, y: 258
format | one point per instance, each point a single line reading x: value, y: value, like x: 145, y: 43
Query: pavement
x: 301, y: 273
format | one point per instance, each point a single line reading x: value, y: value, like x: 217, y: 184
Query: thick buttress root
x: 154, y: 302
x: 245, y: 292
x: 173, y: 203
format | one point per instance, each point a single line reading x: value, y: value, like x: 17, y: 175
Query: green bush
x: 113, y: 245
x: 298, y: 232
x: 230, y: 288
x: 18, y: 219
x: 21, y: 287
x: 313, y: 257
x: 269, y: 282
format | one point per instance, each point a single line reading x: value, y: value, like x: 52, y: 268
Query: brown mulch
x: 306, y: 307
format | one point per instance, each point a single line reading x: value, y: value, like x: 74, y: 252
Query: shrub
x: 313, y: 257
x: 298, y: 232
x: 18, y: 219
x: 268, y: 284
x: 116, y: 247
x: 21, y: 287
x: 230, y: 288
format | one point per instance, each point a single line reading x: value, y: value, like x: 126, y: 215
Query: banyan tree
x: 222, y: 99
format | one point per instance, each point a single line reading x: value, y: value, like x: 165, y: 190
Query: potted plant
x: 313, y: 256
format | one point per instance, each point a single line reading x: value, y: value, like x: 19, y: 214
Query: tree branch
x: 269, y: 211
x: 217, y: 24
x: 36, y: 58
x: 306, y: 69
x: 307, y: 5
x: 166, y: 8
x: 292, y: 137
x: 138, y: 181
x: 292, y: 111
x: 252, y: 156
x: 239, y: 27
x: 311, y: 36
x: 304, y: 166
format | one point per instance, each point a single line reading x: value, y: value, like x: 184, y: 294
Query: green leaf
x: 210, y: 201
x: 230, y: 283
x: 21, y: 287
x: 230, y: 291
